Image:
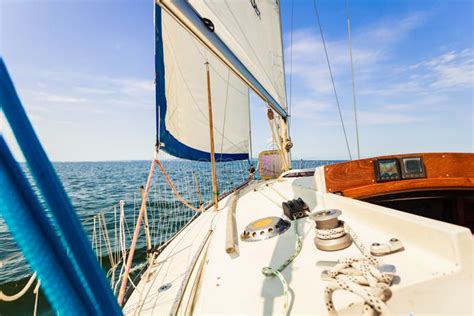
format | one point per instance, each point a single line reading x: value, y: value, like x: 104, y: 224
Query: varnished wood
x: 443, y: 171
x: 211, y: 139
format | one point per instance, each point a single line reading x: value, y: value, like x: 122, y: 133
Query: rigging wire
x: 225, y: 112
x: 291, y: 67
x: 353, y: 77
x: 332, y: 78
x: 250, y: 128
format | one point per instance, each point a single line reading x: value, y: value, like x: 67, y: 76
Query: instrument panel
x: 392, y: 169
x: 399, y: 173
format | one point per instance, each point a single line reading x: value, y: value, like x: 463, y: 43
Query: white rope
x: 274, y: 127
x: 108, y: 246
x: 14, y: 297
x: 359, y: 276
x: 330, y: 233
x: 36, y: 292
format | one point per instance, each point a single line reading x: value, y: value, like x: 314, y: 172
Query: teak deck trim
x: 357, y: 179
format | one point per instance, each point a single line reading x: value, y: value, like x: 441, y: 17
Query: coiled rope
x: 357, y: 275
x: 271, y: 272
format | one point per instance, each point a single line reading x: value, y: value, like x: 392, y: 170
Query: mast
x: 211, y: 138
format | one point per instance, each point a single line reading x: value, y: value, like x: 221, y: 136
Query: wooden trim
x: 357, y: 179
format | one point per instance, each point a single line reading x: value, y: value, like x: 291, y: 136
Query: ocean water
x: 97, y: 187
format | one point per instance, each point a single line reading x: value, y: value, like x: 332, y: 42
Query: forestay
x: 181, y: 88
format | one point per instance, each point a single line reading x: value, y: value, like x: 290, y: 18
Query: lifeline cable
x: 180, y: 198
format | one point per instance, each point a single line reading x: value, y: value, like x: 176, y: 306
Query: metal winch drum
x: 327, y: 220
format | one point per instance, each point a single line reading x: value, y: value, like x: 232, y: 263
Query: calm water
x: 95, y: 187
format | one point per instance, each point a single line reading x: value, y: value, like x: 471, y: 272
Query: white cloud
x: 92, y: 91
x: 447, y: 72
x: 59, y: 98
x: 454, y: 70
x: 309, y: 67
x: 388, y: 118
x: 308, y: 107
x: 382, y: 84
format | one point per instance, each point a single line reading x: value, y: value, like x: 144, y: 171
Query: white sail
x: 258, y: 61
x: 182, y: 98
x: 252, y: 31
x: 239, y: 57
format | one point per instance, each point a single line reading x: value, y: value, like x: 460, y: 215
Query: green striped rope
x: 271, y: 272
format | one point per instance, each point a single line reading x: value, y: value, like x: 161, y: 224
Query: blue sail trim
x: 169, y: 143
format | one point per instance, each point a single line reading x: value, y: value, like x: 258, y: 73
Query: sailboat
x: 382, y: 235
x: 364, y: 236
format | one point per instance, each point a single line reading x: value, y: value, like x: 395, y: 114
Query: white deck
x: 435, y: 269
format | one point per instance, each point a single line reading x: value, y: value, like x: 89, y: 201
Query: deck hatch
x: 265, y: 228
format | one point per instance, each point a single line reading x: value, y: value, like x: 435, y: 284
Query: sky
x: 84, y: 71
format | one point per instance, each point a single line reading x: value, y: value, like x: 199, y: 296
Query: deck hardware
x: 412, y: 167
x: 393, y: 245
x: 265, y: 228
x: 164, y: 287
x: 330, y: 234
x: 295, y: 209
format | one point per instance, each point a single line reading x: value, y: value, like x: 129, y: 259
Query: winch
x: 330, y: 233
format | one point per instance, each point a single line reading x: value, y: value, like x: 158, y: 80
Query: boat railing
x: 110, y: 231
x: 175, y: 197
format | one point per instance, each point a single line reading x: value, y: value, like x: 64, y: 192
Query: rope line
x: 272, y: 272
x: 332, y: 78
x: 180, y: 198
x: 274, y: 128
x: 291, y: 68
x: 14, y: 297
x: 36, y: 292
x: 250, y: 128
x: 359, y: 276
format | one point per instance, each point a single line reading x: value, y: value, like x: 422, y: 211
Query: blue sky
x: 84, y: 70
